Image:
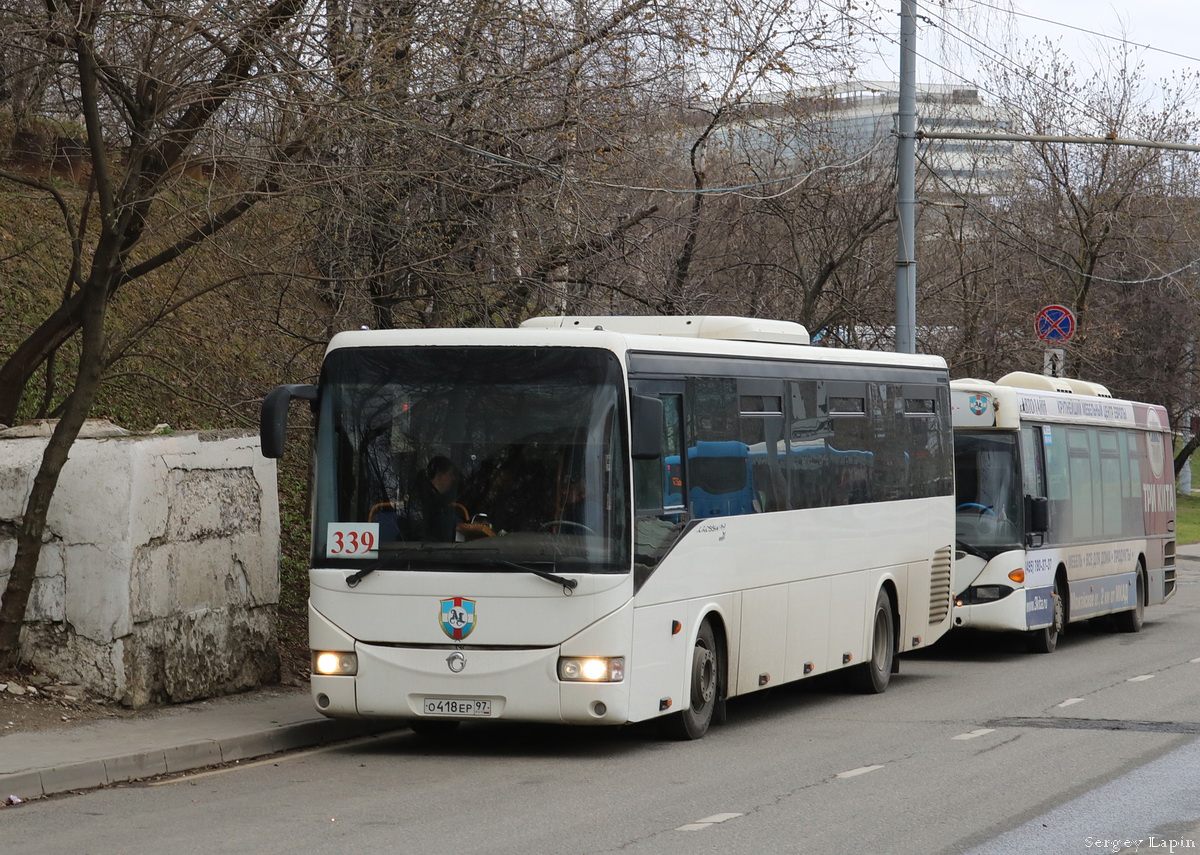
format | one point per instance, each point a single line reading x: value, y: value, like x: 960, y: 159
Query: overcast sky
x: 1172, y: 27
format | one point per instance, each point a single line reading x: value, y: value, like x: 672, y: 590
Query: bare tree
x: 1105, y: 229
x: 156, y: 89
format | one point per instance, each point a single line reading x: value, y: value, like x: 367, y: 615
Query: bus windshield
x: 987, y: 490
x: 472, y: 458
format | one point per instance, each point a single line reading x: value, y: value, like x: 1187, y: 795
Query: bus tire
x: 704, y: 689
x: 1045, y: 640
x: 1131, y: 621
x: 872, y: 677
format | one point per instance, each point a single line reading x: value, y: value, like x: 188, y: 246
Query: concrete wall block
x: 258, y: 576
x: 91, y: 504
x: 55, y: 648
x: 208, y: 504
x: 184, y: 657
x: 201, y: 570
x: 160, y: 574
x: 98, y: 591
x: 18, y: 465
x: 152, y: 586
x: 149, y: 495
x: 47, y: 600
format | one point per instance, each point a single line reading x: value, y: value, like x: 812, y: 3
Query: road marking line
x: 701, y: 824
x: 1069, y: 701
x: 853, y: 773
x: 983, y: 731
x: 1196, y: 661
x: 1141, y: 678
x: 720, y: 817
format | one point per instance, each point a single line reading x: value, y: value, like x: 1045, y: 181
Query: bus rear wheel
x: 703, y: 688
x: 872, y: 678
x: 1131, y: 621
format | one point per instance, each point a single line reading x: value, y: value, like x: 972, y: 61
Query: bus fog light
x: 334, y: 663
x: 592, y: 669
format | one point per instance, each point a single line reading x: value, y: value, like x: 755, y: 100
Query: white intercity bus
x: 614, y: 519
x: 1065, y: 506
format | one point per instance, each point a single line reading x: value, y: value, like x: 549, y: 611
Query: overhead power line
x: 1000, y: 137
x: 1120, y: 39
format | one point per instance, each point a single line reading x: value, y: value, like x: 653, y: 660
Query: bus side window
x: 1033, y: 476
x: 1134, y: 518
x: 719, y: 481
x: 850, y: 456
x: 1058, y: 481
x: 761, y: 415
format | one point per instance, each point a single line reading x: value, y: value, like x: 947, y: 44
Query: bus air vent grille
x: 939, y: 585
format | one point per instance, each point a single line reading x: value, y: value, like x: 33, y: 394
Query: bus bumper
x: 1021, y: 609
x: 472, y: 683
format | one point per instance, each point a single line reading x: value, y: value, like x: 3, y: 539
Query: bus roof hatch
x: 1027, y: 380
x: 720, y: 327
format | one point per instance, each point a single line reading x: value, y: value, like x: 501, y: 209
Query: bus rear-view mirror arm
x: 646, y: 417
x: 272, y: 421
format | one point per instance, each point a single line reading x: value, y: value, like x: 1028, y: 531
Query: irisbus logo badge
x: 458, y: 617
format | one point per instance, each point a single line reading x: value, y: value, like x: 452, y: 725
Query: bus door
x: 659, y: 485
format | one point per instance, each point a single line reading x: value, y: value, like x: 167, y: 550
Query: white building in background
x: 854, y: 123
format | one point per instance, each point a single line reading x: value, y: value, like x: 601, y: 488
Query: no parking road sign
x: 1055, y: 324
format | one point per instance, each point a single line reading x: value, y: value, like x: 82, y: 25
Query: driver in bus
x: 431, y: 515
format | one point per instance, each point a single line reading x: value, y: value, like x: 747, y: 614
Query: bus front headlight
x: 597, y: 669
x: 332, y: 663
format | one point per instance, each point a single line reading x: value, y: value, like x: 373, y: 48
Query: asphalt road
x: 977, y: 747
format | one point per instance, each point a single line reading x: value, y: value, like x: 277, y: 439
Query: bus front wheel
x: 1045, y: 640
x: 872, y: 678
x: 704, y: 688
x: 1131, y: 621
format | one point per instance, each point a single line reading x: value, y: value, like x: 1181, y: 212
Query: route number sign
x: 352, y: 540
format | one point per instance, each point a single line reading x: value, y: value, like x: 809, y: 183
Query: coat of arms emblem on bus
x: 978, y: 404
x: 458, y: 617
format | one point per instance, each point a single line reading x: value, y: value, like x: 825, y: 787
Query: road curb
x: 118, y: 769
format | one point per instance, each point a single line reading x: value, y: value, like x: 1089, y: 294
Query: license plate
x: 458, y: 706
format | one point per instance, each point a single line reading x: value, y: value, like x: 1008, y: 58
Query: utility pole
x: 906, y: 168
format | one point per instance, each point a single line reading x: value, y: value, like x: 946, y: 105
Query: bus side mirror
x: 1038, y: 515
x: 646, y: 417
x: 272, y: 418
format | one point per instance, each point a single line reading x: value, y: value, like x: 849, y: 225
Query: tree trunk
x: 33, y: 524
x: 1185, y: 452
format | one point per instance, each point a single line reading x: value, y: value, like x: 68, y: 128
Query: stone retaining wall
x: 159, y: 575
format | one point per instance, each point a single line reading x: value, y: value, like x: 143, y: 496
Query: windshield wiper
x: 354, y: 578
x: 545, y: 574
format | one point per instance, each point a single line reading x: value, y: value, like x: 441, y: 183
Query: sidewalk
x: 167, y: 741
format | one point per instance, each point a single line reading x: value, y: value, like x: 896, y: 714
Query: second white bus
x: 1065, y: 506
x: 605, y: 520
